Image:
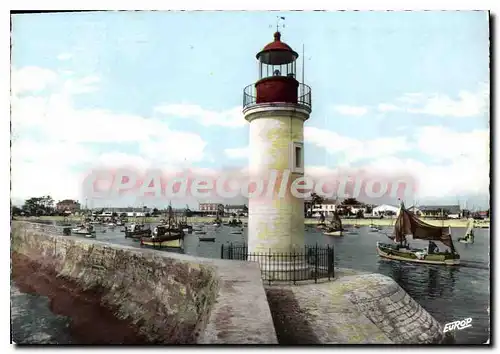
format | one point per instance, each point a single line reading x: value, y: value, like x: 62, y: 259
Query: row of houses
x: 213, y: 208
x: 328, y: 207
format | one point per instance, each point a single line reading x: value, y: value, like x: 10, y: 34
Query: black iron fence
x: 309, y: 263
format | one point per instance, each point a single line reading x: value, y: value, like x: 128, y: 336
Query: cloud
x: 229, y: 118
x: 354, y: 150
x: 52, y: 139
x: 351, y: 110
x: 237, y: 153
x: 31, y: 78
x: 461, y: 159
x: 459, y: 164
x: 456, y: 178
x: 467, y: 103
x: 446, y: 144
x: 387, y: 107
x: 64, y: 56
x: 175, y: 147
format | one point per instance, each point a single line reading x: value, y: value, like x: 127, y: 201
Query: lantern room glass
x: 282, y: 69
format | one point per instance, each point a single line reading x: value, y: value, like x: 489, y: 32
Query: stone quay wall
x: 169, y: 297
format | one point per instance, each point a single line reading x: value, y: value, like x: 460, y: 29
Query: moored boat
x: 234, y: 222
x: 333, y: 233
x: 408, y: 223
x: 83, y: 230
x: 136, y: 231
x: 161, y: 243
x: 322, y: 226
x: 207, y: 239
x: 183, y: 222
x: 469, y: 233
x: 335, y: 228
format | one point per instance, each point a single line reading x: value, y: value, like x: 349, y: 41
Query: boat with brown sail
x: 321, y: 223
x: 407, y: 223
x: 335, y: 228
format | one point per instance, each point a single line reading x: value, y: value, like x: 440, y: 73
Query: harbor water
x: 448, y: 293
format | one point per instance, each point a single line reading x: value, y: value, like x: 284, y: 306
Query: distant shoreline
x: 200, y: 219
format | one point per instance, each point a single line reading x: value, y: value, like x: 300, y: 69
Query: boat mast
x: 401, y: 215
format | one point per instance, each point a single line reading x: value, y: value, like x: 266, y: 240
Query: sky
x: 391, y: 91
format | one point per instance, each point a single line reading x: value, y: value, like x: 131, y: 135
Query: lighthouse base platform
x: 355, y: 308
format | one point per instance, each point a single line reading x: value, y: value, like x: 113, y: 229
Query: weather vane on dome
x: 278, y: 19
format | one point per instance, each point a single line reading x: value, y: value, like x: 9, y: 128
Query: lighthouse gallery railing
x: 304, y: 95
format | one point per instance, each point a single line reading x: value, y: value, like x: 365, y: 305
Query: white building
x: 327, y: 207
x: 132, y: 214
x: 384, y: 208
x: 235, y: 209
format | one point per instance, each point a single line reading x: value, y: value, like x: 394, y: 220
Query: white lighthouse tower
x: 276, y: 107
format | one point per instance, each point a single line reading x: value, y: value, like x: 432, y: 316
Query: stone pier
x: 175, y: 298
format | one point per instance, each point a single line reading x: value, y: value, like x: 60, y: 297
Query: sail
x: 470, y: 226
x: 410, y: 224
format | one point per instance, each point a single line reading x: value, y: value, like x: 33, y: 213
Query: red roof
x: 277, y: 45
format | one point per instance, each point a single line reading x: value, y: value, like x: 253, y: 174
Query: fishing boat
x: 83, y: 230
x: 218, y: 221
x: 408, y: 223
x: 234, y: 222
x: 170, y: 225
x: 469, y: 233
x: 335, y: 228
x: 162, y: 242
x: 183, y: 222
x: 166, y: 235
x: 164, y: 230
x: 65, y: 222
x: 136, y: 231
x: 356, y: 225
x: 322, y: 226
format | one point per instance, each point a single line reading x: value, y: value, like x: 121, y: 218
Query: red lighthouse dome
x: 277, y: 52
x: 277, y: 77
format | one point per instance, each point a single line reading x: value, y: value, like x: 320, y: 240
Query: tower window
x: 298, y: 157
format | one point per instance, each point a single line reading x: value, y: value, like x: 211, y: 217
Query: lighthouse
x: 276, y: 107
